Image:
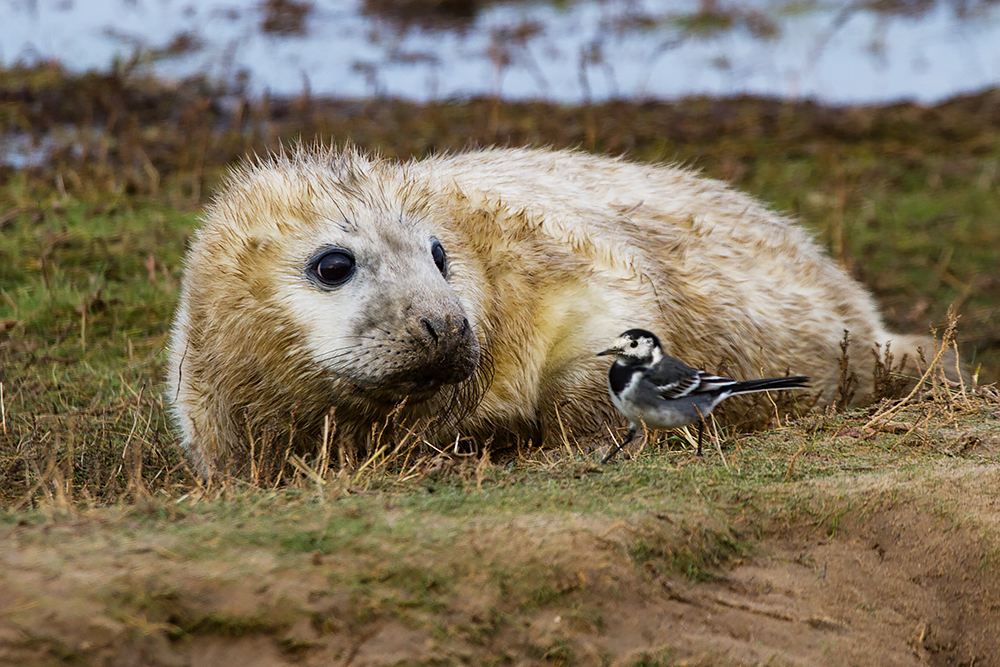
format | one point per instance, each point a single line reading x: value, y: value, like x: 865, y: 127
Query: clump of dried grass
x: 935, y: 403
x: 888, y: 381
x: 396, y: 455
x: 66, y: 459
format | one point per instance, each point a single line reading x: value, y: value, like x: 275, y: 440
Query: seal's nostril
x: 430, y: 329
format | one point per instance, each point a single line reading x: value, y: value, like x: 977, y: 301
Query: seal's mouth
x: 417, y: 385
x: 423, y: 385
x: 448, y: 392
x: 416, y: 362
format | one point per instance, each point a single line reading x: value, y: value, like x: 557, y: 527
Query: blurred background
x: 568, y: 51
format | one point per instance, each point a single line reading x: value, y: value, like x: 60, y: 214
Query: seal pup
x: 472, y: 289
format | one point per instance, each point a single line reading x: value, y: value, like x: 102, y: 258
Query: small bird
x: 648, y: 386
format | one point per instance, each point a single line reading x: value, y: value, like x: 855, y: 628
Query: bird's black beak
x: 611, y: 351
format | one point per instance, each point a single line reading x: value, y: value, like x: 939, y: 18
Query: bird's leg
x: 701, y: 429
x: 628, y: 439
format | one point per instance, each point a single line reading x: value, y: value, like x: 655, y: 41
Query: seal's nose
x: 447, y: 345
x: 431, y: 330
x: 442, y: 334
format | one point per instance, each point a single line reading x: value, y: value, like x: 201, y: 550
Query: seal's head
x: 316, y: 282
x: 409, y: 341
x: 366, y: 283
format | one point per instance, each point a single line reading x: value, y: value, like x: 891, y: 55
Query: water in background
x: 836, y: 52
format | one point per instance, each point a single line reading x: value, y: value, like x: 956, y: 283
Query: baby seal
x: 473, y: 290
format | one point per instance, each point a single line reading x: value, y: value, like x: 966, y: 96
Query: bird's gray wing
x: 675, y: 379
x: 679, y: 388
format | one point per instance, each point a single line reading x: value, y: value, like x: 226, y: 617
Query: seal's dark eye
x: 437, y: 252
x: 333, y: 267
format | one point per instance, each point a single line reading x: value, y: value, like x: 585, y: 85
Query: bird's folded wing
x: 676, y: 387
x: 700, y: 382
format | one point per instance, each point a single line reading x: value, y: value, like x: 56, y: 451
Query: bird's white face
x: 631, y: 348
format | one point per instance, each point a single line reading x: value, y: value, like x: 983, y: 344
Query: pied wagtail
x: 651, y: 387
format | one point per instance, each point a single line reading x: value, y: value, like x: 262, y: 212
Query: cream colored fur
x: 552, y: 255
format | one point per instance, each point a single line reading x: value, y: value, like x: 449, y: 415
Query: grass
x: 469, y: 549
x: 904, y: 196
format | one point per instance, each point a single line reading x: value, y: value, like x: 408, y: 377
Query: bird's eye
x: 333, y: 268
x: 438, y: 254
x: 634, y: 343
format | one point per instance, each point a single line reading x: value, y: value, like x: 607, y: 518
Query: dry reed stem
x: 611, y: 434
x: 310, y: 474
x: 368, y: 461
x: 324, y: 454
x: 131, y: 433
x: 482, y: 466
x: 134, y: 471
x: 254, y: 472
x: 645, y: 436
x: 284, y: 461
x: 569, y: 450
x: 958, y: 369
x: 791, y: 464
x: 714, y: 434
x: 774, y: 404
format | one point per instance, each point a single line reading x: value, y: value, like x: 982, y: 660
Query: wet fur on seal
x: 547, y: 256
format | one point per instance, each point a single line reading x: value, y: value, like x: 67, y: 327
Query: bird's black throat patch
x: 619, y: 375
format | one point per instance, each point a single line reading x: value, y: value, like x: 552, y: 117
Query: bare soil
x: 880, y: 568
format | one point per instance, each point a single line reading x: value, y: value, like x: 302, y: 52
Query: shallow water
x: 833, y: 52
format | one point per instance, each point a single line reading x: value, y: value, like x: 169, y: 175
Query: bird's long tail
x: 769, y: 384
